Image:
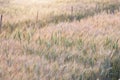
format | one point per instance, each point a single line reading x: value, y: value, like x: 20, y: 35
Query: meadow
x: 60, y: 40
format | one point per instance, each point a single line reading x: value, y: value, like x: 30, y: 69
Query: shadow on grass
x: 108, y: 8
x: 55, y: 19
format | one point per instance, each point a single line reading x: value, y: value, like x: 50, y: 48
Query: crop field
x: 59, y: 39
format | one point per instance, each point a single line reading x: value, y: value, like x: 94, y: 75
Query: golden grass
x: 58, y: 45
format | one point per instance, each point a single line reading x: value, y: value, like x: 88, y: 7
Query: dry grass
x: 60, y: 44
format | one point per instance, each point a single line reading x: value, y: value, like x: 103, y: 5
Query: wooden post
x: 37, y: 17
x: 72, y: 14
x: 96, y: 8
x: 72, y: 10
x: 1, y: 17
x: 36, y: 22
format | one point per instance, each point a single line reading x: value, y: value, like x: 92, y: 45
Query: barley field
x: 59, y: 39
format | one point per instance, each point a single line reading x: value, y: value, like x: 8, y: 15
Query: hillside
x: 60, y: 40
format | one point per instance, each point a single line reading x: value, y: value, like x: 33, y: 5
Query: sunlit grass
x: 60, y: 40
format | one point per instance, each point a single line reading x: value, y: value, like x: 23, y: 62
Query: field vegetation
x: 60, y: 40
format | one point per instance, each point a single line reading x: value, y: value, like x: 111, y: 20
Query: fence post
x: 37, y: 16
x: 72, y: 10
x: 72, y: 14
x: 1, y: 17
x: 36, y: 19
